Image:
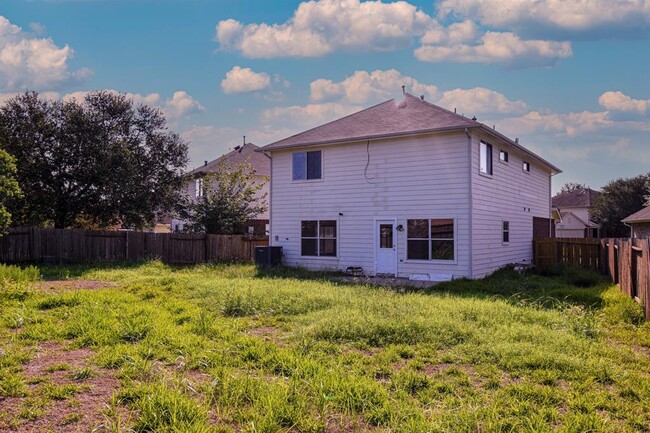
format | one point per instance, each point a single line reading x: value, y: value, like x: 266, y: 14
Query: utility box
x: 268, y: 256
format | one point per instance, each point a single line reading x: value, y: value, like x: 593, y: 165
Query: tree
x: 99, y: 162
x: 231, y: 196
x: 572, y: 186
x: 620, y: 198
x: 8, y: 188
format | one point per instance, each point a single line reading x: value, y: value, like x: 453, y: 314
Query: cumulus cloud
x: 480, y: 100
x: 363, y: 87
x: 571, y: 124
x: 241, y: 80
x: 306, y: 116
x: 548, y: 17
x: 181, y: 104
x: 320, y: 27
x: 31, y: 62
x: 618, y: 101
x: 495, y: 47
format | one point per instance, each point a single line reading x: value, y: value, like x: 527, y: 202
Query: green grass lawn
x: 225, y: 348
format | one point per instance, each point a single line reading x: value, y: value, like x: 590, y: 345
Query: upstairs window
x: 485, y: 158
x: 526, y: 167
x: 307, y: 165
x: 505, y: 229
x: 199, y: 187
x: 503, y: 156
x: 318, y: 238
x: 430, y: 239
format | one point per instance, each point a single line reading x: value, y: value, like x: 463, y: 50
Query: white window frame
x: 505, y: 230
x: 489, y: 159
x: 507, y: 156
x: 525, y: 166
x: 318, y: 239
x: 306, y: 179
x: 199, y: 185
x: 430, y: 260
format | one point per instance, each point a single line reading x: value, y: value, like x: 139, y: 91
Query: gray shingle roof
x: 259, y: 161
x: 411, y: 116
x: 639, y: 217
x: 386, y: 119
x: 575, y: 198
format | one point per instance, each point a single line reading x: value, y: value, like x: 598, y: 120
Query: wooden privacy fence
x: 79, y: 246
x: 573, y: 251
x: 625, y: 261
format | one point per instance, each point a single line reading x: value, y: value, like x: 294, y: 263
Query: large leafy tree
x: 99, y: 162
x: 8, y: 188
x: 619, y: 199
x: 231, y: 196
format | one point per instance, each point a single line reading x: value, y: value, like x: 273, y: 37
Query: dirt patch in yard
x: 74, y: 285
x: 66, y: 393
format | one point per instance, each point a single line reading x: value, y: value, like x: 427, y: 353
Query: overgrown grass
x: 227, y: 348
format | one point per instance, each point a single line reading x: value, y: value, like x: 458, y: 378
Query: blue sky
x: 568, y: 78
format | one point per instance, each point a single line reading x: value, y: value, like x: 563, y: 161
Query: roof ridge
x: 432, y: 105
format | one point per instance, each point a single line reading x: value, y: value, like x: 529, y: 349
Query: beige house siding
x: 510, y: 194
x: 406, y: 178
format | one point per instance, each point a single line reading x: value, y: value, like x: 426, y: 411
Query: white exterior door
x: 385, y: 247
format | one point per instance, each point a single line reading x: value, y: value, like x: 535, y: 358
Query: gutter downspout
x: 631, y: 230
x: 471, y: 206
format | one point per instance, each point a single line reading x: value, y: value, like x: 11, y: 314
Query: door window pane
x: 385, y: 236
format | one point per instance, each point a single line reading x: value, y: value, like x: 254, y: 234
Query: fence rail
x: 625, y: 261
x: 33, y: 244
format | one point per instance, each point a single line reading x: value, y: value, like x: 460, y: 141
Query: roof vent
x: 474, y: 118
x: 237, y: 147
x: 517, y: 140
x: 422, y: 97
x: 403, y: 89
x: 205, y: 163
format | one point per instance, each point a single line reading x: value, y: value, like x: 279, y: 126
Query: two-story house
x: 407, y: 189
x: 572, y: 214
x: 245, y: 154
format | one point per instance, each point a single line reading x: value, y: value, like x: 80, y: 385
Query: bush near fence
x: 625, y: 261
x: 33, y: 244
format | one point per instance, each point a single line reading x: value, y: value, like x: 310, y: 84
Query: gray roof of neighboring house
x: 259, y: 161
x: 575, y: 198
x: 642, y: 216
x: 411, y: 116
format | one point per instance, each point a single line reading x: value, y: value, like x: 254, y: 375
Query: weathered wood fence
x: 625, y: 261
x: 78, y: 246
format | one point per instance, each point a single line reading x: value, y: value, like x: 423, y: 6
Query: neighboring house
x: 246, y: 154
x: 407, y: 189
x: 640, y: 223
x: 572, y: 214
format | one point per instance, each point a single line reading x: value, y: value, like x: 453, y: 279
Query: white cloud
x: 241, y: 80
x: 320, y: 27
x: 548, y: 16
x: 496, y: 47
x: 305, y: 116
x: 618, y: 101
x: 363, y: 87
x: 29, y: 62
x: 480, y: 100
x: 571, y: 124
x: 181, y: 104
